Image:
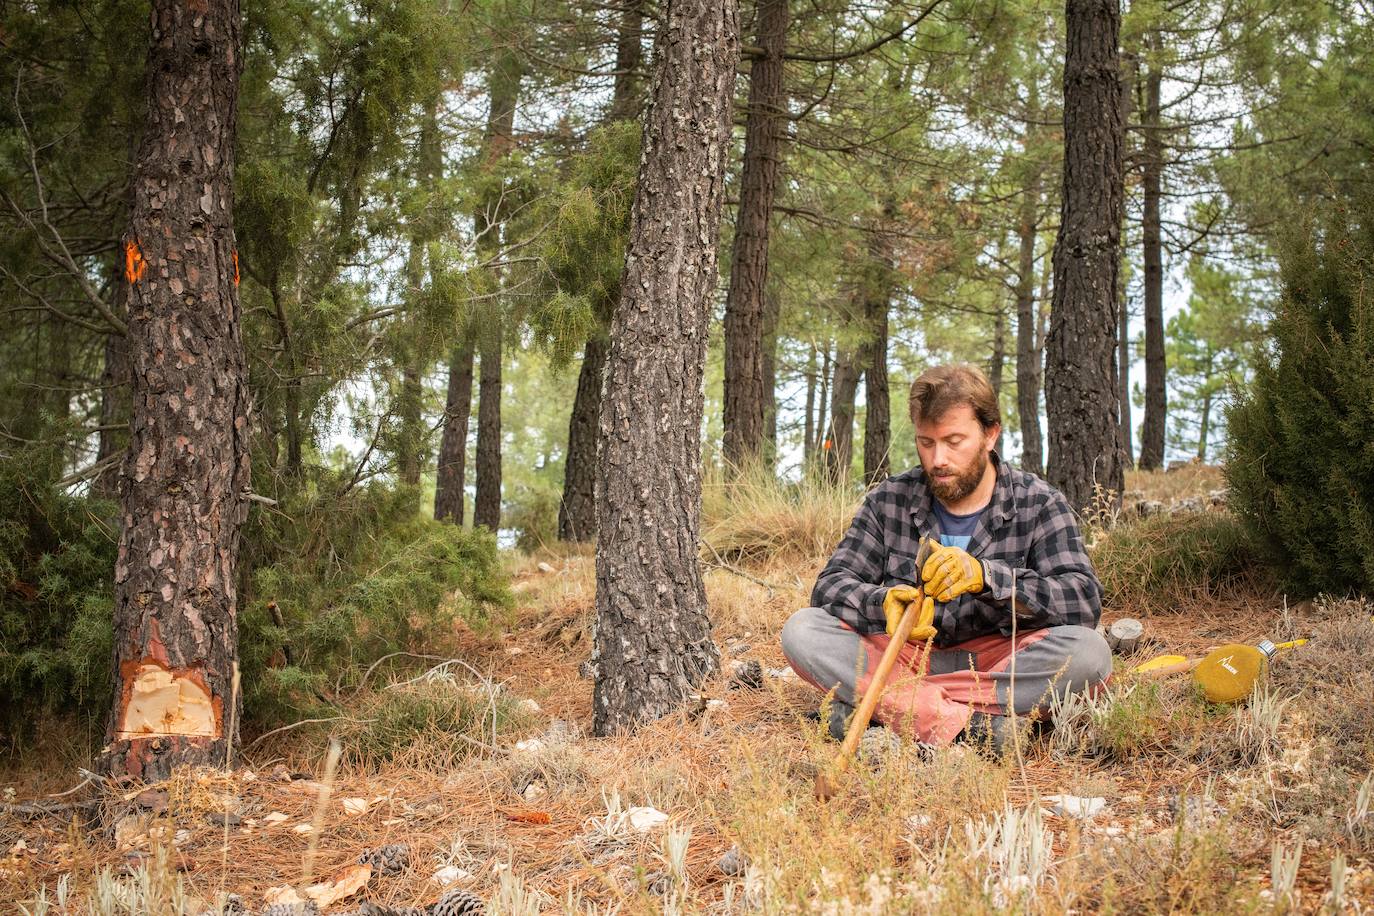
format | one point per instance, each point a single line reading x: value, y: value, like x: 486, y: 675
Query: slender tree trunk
x: 175, y: 626
x: 449, y: 489
x: 1152, y: 427
x: 408, y: 452
x: 1202, y: 432
x: 997, y: 361
x: 577, y: 511
x: 809, y: 421
x: 1080, y: 373
x: 771, y: 315
x: 877, y: 397
x: 504, y: 90
x: 823, y: 443
x: 840, y: 455
x: 653, y: 636
x: 745, y: 301
x: 1123, y: 373
x: 1027, y: 338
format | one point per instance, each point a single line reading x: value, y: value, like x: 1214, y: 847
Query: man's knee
x: 1088, y: 657
x: 803, y: 634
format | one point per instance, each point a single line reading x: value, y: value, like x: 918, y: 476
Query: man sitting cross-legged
x: 995, y: 526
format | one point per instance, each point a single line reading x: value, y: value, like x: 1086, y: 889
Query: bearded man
x: 1012, y: 600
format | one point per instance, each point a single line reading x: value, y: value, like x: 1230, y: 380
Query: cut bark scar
x: 164, y: 703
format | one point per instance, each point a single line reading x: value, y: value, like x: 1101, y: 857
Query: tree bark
x: 1152, y: 168
x: 504, y: 89
x: 771, y: 316
x: 877, y: 396
x: 1027, y: 342
x: 746, y: 298
x: 451, y: 481
x: 840, y: 455
x: 577, y: 512
x: 1080, y: 371
x: 653, y: 635
x: 809, y: 421
x: 1123, y: 373
x: 175, y: 627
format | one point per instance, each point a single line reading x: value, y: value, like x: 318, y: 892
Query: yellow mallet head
x: 1228, y: 673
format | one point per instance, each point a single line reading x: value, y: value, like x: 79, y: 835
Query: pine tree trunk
x: 746, y: 299
x: 414, y: 452
x: 1202, y: 432
x: 809, y: 421
x: 1152, y: 427
x: 175, y: 623
x: 1123, y: 374
x: 408, y: 458
x: 504, y: 90
x: 486, y: 502
x: 822, y: 405
x: 451, y: 474
x: 577, y: 512
x: 877, y: 397
x: 840, y: 456
x: 997, y: 362
x: 1080, y: 363
x: 1027, y: 349
x: 653, y: 636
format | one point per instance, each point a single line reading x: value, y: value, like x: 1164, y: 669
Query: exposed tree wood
x: 839, y: 456
x: 653, y: 636
x: 746, y: 299
x: 176, y: 631
x: 1080, y: 370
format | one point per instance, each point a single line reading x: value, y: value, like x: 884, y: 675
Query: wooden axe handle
x: 825, y: 782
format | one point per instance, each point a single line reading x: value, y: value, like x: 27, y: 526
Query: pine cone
x: 391, y: 859
x: 458, y: 902
x: 309, y: 908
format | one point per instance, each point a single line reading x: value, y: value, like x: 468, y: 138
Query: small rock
x: 732, y: 863
x: 783, y: 673
x: 544, y: 568
x: 645, y: 819
x: 717, y: 704
x: 530, y: 745
x: 530, y: 706
x: 450, y: 874
x: 1124, y: 635
x: 534, y: 791
x: 747, y: 675
x: 1075, y: 806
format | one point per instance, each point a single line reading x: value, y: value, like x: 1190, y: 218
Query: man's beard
x: 962, y: 484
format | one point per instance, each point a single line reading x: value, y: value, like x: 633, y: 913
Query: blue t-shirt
x: 957, y: 530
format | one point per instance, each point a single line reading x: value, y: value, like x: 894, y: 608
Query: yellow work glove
x: 895, y: 602
x: 950, y: 572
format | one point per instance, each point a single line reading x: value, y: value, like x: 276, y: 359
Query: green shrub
x: 1301, y: 462
x: 1167, y: 562
x: 353, y: 578
x: 57, y: 555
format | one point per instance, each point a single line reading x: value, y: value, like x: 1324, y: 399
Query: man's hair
x: 940, y: 388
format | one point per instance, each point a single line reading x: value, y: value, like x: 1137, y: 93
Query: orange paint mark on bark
x: 134, y: 265
x: 236, y: 267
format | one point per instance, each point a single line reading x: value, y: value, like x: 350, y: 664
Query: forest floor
x: 1206, y: 809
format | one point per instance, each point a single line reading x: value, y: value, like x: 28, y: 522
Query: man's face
x: 954, y: 452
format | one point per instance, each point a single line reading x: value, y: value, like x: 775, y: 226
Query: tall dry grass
x: 753, y: 517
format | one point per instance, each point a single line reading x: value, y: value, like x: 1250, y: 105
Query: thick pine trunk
x: 451, y: 473
x: 1152, y: 426
x: 746, y: 300
x: 486, y: 501
x: 577, y: 512
x: 187, y: 470
x: 1080, y: 370
x: 653, y: 636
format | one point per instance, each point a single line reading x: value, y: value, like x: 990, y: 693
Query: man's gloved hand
x: 895, y: 602
x: 950, y: 572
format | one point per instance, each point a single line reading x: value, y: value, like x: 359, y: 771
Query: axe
x: 826, y: 780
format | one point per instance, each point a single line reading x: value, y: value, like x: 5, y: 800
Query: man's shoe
x: 840, y: 714
x: 988, y: 732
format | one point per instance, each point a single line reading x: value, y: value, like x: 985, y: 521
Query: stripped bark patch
x: 162, y: 702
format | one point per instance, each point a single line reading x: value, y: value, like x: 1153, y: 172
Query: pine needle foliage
x: 57, y: 557
x: 1301, y: 464
x: 353, y: 576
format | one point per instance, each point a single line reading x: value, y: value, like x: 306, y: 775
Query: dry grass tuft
x: 756, y: 518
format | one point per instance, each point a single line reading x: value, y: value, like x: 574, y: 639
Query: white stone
x: 530, y: 745
x: 450, y: 874
x: 1075, y: 806
x: 645, y: 819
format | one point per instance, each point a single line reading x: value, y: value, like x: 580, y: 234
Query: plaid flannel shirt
x: 1027, y: 528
